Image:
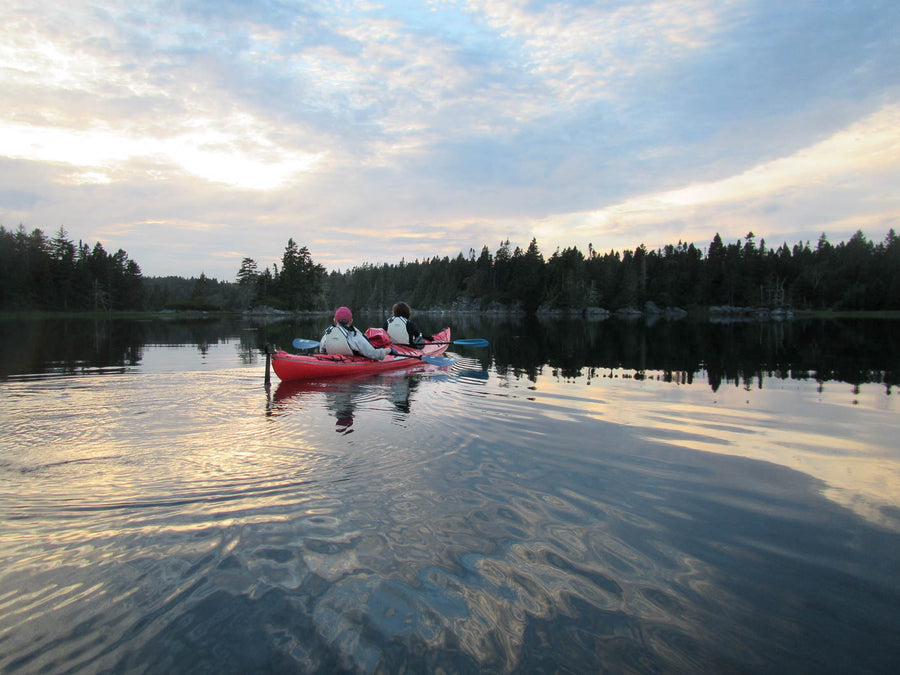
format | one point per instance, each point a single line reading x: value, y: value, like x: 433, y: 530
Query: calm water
x: 592, y: 497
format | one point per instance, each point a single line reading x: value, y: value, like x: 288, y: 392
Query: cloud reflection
x: 819, y: 432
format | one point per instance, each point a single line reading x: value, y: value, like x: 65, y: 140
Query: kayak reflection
x: 342, y: 397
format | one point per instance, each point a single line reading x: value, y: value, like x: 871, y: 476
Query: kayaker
x: 343, y: 338
x: 401, y: 329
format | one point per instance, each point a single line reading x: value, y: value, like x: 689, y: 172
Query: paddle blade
x: 442, y: 361
x: 472, y: 342
x: 300, y: 343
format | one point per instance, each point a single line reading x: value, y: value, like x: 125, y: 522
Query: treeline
x: 298, y: 285
x: 194, y: 294
x: 56, y: 274
x: 853, y: 275
x: 37, y: 272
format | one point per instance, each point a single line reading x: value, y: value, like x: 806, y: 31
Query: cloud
x: 865, y: 153
x: 388, y: 130
x: 234, y: 156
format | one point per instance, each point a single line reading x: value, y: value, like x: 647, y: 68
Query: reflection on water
x: 857, y: 351
x: 507, y: 514
x: 342, y: 396
x: 853, y: 351
x: 847, y: 442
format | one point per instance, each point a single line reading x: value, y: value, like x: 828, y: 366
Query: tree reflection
x: 743, y: 354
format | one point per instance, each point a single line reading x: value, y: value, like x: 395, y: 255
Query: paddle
x: 468, y: 342
x: 443, y: 361
x: 300, y: 343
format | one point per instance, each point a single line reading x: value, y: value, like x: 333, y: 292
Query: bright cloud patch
x: 207, y: 154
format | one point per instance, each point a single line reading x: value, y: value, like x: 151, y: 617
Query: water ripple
x: 442, y: 518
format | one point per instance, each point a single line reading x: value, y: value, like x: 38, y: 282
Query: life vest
x: 336, y: 341
x: 396, y: 328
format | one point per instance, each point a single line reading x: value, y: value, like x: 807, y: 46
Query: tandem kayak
x: 290, y: 367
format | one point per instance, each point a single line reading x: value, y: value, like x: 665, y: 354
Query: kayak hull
x: 290, y: 367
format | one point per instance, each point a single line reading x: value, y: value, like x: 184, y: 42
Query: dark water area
x: 856, y: 351
x: 578, y: 497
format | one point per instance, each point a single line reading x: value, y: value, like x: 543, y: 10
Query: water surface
x: 578, y: 499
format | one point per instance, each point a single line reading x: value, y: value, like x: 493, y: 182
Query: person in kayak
x: 343, y: 338
x: 401, y: 329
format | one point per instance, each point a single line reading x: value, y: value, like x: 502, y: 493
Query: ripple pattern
x: 455, y: 520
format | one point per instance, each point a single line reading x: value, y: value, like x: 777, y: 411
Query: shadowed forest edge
x: 56, y: 274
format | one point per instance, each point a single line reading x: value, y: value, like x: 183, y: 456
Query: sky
x: 193, y: 134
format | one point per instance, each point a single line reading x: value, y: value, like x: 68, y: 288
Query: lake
x: 578, y: 497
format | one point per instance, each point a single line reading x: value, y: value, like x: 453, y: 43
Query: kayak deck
x: 289, y: 366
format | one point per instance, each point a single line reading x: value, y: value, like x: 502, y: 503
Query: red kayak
x: 315, y: 366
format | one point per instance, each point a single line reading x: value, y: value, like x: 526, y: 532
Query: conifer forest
x: 40, y: 272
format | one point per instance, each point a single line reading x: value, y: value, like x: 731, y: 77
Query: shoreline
x: 590, y: 313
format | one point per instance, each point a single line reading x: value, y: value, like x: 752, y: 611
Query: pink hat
x: 343, y: 314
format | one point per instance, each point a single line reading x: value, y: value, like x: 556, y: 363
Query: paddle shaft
x: 469, y: 342
x: 433, y: 360
x: 300, y: 343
